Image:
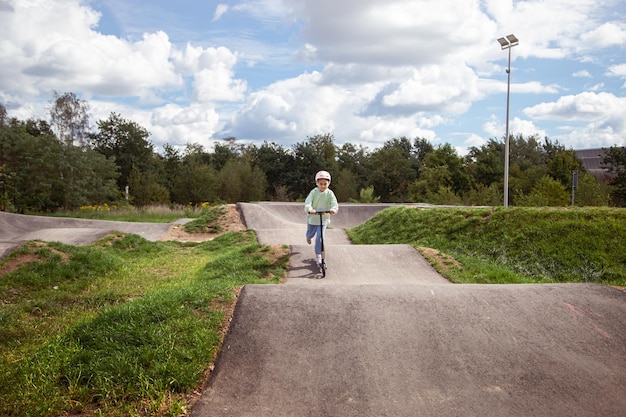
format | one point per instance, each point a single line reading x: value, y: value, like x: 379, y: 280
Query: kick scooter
x: 323, y: 262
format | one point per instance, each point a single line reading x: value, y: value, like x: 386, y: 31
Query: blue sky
x: 365, y: 71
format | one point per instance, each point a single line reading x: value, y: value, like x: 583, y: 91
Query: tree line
x: 63, y: 164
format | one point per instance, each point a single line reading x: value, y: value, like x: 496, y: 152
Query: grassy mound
x: 121, y: 327
x: 512, y: 245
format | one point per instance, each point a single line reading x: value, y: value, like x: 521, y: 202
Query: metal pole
x: 506, y: 138
x: 574, y: 185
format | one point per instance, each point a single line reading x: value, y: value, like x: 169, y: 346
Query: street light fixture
x: 507, y: 43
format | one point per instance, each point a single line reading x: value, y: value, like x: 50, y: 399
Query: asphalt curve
x: 384, y: 335
x: 16, y: 229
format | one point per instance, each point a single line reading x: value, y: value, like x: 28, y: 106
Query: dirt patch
x: 229, y: 221
x: 29, y: 254
x: 440, y: 261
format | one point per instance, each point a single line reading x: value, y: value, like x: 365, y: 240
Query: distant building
x: 592, y: 161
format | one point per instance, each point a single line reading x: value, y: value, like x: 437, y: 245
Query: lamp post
x: 507, y: 43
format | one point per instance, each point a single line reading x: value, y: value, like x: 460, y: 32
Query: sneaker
x: 308, y: 240
x: 318, y: 260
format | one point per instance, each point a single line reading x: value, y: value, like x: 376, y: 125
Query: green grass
x: 512, y: 245
x: 207, y: 222
x: 121, y: 327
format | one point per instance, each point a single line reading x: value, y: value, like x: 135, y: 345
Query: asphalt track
x: 384, y: 335
x: 16, y: 229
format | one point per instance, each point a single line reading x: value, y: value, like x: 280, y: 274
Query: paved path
x: 384, y: 335
x: 16, y: 229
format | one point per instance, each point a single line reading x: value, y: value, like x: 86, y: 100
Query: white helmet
x: 322, y: 175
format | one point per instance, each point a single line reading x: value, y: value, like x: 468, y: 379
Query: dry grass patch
x: 440, y: 261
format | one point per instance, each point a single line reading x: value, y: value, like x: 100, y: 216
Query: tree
x: 70, y: 118
x: 345, y: 185
x: 486, y: 163
x: 35, y: 167
x: 171, y: 163
x: 194, y: 181
x: 366, y: 196
x: 589, y: 191
x: 560, y: 162
x: 145, y: 188
x: 522, y: 181
x: 324, y: 146
x: 300, y: 173
x: 446, y: 156
x: 36, y: 160
x: 393, y: 168
x: 239, y: 181
x: 355, y: 160
x: 432, y: 179
x: 94, y: 179
x: 126, y: 142
x: 3, y: 115
x: 421, y: 148
x: 480, y: 195
x: 526, y: 153
x: 615, y: 162
x: 547, y: 192
x: 274, y: 161
x: 224, y: 152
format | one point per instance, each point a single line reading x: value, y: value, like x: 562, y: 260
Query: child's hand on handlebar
x: 312, y: 211
x: 332, y: 211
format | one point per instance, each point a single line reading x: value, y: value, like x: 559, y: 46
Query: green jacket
x: 320, y: 201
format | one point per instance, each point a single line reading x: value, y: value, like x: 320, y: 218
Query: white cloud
x: 493, y: 128
x: 526, y: 128
x: 584, y: 106
x: 285, y: 107
x: 58, y: 49
x: 594, y: 118
x: 213, y: 73
x: 307, y: 104
x: 546, y: 29
x: 395, y: 33
x: 474, y: 140
x: 393, y: 128
x: 517, y: 126
x: 53, y: 46
x: 171, y: 123
x: 364, y: 70
x: 593, y: 135
x: 617, y: 71
x: 534, y: 87
x: 178, y: 125
x: 606, y: 35
x: 219, y: 11
x: 216, y: 84
x: 440, y: 88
